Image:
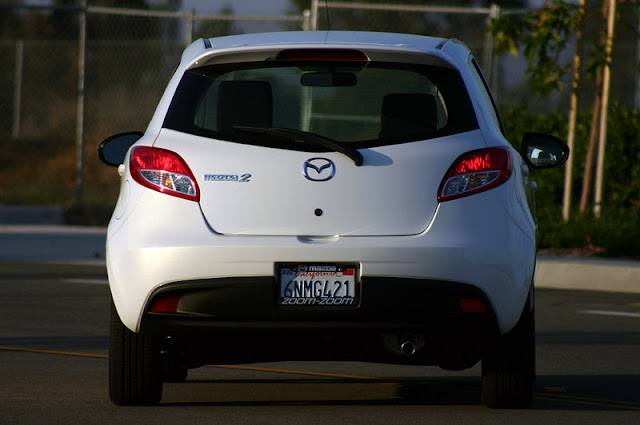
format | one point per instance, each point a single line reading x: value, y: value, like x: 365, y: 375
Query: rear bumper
x: 251, y: 303
x: 151, y: 251
x: 238, y: 320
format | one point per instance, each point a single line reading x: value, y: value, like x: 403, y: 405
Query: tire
x: 509, y: 371
x: 135, y: 368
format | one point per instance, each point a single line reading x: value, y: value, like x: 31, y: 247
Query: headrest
x: 408, y: 115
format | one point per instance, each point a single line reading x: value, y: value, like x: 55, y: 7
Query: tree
x: 543, y: 35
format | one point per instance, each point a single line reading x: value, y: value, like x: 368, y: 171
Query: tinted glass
x: 380, y: 104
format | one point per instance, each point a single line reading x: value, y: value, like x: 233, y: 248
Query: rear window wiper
x: 305, y: 137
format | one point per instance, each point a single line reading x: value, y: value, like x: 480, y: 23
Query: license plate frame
x: 317, y: 285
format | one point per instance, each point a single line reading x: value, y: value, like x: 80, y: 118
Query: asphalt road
x: 53, y: 368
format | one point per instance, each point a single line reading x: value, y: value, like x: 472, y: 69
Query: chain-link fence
x: 50, y: 126
x: 467, y: 24
x: 38, y: 75
x: 51, y: 119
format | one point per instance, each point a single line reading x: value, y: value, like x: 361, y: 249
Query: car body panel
x: 256, y: 208
x: 400, y: 200
x: 485, y: 250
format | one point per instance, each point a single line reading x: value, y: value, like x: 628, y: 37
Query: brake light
x: 321, y: 55
x: 476, y: 172
x: 164, y: 171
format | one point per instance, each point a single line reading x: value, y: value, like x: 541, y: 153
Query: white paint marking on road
x: 610, y: 313
x: 87, y: 281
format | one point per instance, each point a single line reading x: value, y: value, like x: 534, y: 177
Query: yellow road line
x: 260, y: 369
x: 64, y: 353
x: 589, y: 401
x: 302, y: 372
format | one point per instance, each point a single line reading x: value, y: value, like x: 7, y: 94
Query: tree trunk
x: 575, y: 84
x: 595, y: 121
x: 593, y: 142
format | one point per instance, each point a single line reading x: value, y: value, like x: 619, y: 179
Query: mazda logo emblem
x: 319, y: 169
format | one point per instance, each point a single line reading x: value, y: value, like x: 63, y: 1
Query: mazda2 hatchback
x: 324, y: 196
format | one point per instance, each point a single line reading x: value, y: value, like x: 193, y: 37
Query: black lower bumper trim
x: 238, y: 320
x: 251, y: 303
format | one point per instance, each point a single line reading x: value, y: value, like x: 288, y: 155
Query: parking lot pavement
x: 86, y: 245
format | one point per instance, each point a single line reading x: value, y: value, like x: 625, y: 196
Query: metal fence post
x: 494, y: 13
x: 190, y: 29
x: 314, y: 15
x: 82, y: 40
x: 17, y: 90
x: 306, y: 22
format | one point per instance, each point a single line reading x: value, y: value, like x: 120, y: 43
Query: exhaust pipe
x: 408, y: 348
x: 406, y: 344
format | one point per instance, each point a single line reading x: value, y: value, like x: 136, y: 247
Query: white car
x: 324, y: 196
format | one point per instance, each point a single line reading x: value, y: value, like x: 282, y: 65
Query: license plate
x: 318, y: 285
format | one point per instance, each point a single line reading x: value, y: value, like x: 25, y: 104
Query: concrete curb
x: 86, y: 245
x: 588, y: 274
x: 53, y: 243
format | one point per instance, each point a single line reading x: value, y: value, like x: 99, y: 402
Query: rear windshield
x: 361, y: 105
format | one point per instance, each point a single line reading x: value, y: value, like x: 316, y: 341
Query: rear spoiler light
x: 322, y: 55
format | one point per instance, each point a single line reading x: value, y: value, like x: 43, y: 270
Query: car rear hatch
x: 254, y: 190
x: 320, y: 142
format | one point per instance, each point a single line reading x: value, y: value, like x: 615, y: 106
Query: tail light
x: 164, y: 171
x: 476, y: 172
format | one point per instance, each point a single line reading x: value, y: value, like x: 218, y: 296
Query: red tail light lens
x: 476, y: 172
x: 164, y: 171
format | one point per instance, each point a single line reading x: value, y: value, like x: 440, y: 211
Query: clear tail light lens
x: 476, y: 172
x: 164, y: 171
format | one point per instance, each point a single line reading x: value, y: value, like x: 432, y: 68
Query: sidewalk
x: 75, y: 244
x: 592, y: 274
x: 86, y: 245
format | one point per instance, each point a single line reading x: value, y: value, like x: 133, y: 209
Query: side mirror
x: 113, y: 150
x: 543, y: 151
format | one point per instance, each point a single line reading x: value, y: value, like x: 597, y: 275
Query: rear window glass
x: 360, y: 105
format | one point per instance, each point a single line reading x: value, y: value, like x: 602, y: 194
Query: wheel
x: 135, y: 367
x: 509, y: 371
